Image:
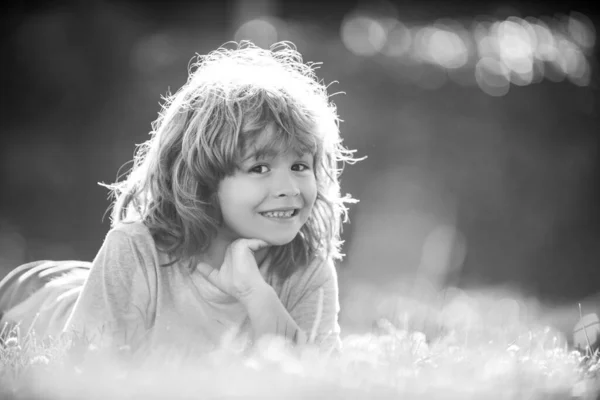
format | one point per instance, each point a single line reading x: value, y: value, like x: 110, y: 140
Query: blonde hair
x: 202, y: 130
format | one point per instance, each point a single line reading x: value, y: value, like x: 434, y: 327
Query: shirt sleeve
x: 316, y: 311
x: 112, y: 309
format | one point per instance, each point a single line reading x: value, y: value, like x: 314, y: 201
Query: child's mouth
x: 280, y: 214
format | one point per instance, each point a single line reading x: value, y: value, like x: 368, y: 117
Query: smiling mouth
x: 280, y: 214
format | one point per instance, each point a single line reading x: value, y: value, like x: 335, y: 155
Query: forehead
x: 270, y: 142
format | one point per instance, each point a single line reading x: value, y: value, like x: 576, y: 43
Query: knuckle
x: 241, y: 243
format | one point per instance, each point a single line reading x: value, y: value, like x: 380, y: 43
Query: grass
x: 462, y: 362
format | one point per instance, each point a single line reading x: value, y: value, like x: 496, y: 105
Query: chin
x: 278, y: 241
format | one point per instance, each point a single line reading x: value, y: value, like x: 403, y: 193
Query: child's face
x: 268, y: 198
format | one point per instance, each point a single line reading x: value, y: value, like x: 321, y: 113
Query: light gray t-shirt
x: 130, y: 294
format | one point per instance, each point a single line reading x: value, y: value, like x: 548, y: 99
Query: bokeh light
x: 399, y: 40
x: 582, y: 30
x: 492, y: 76
x: 573, y: 62
x: 363, y: 35
x: 545, y: 43
x: 515, y: 49
x: 262, y: 31
x: 447, y: 49
x: 494, y: 53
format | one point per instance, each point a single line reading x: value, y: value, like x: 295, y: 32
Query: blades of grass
x: 35, y: 318
x: 588, y: 350
x: 4, y: 327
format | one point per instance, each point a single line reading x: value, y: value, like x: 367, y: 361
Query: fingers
x: 206, y: 270
x: 253, y: 244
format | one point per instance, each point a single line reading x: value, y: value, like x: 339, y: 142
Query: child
x: 228, y: 223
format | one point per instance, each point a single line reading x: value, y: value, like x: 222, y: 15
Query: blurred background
x: 479, y: 121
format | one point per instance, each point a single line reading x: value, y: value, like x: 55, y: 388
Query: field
x: 476, y: 361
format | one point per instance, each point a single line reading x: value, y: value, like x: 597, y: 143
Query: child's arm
x: 112, y: 307
x: 240, y: 277
x: 313, y: 318
x: 317, y: 309
x: 268, y: 316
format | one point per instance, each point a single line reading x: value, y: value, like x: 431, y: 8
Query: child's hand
x: 239, y: 275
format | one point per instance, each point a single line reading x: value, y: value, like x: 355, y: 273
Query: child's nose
x: 285, y: 185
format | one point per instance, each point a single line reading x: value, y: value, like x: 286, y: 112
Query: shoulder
x: 135, y: 233
x: 133, y: 238
x: 128, y: 253
x: 135, y: 230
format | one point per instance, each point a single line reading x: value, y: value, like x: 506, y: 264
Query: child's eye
x: 259, y: 169
x: 300, y: 167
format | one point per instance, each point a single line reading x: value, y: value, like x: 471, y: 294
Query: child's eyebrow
x: 261, y: 154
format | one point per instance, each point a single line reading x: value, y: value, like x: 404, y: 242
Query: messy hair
x: 203, y: 129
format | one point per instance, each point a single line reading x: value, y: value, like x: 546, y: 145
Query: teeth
x: 279, y: 214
